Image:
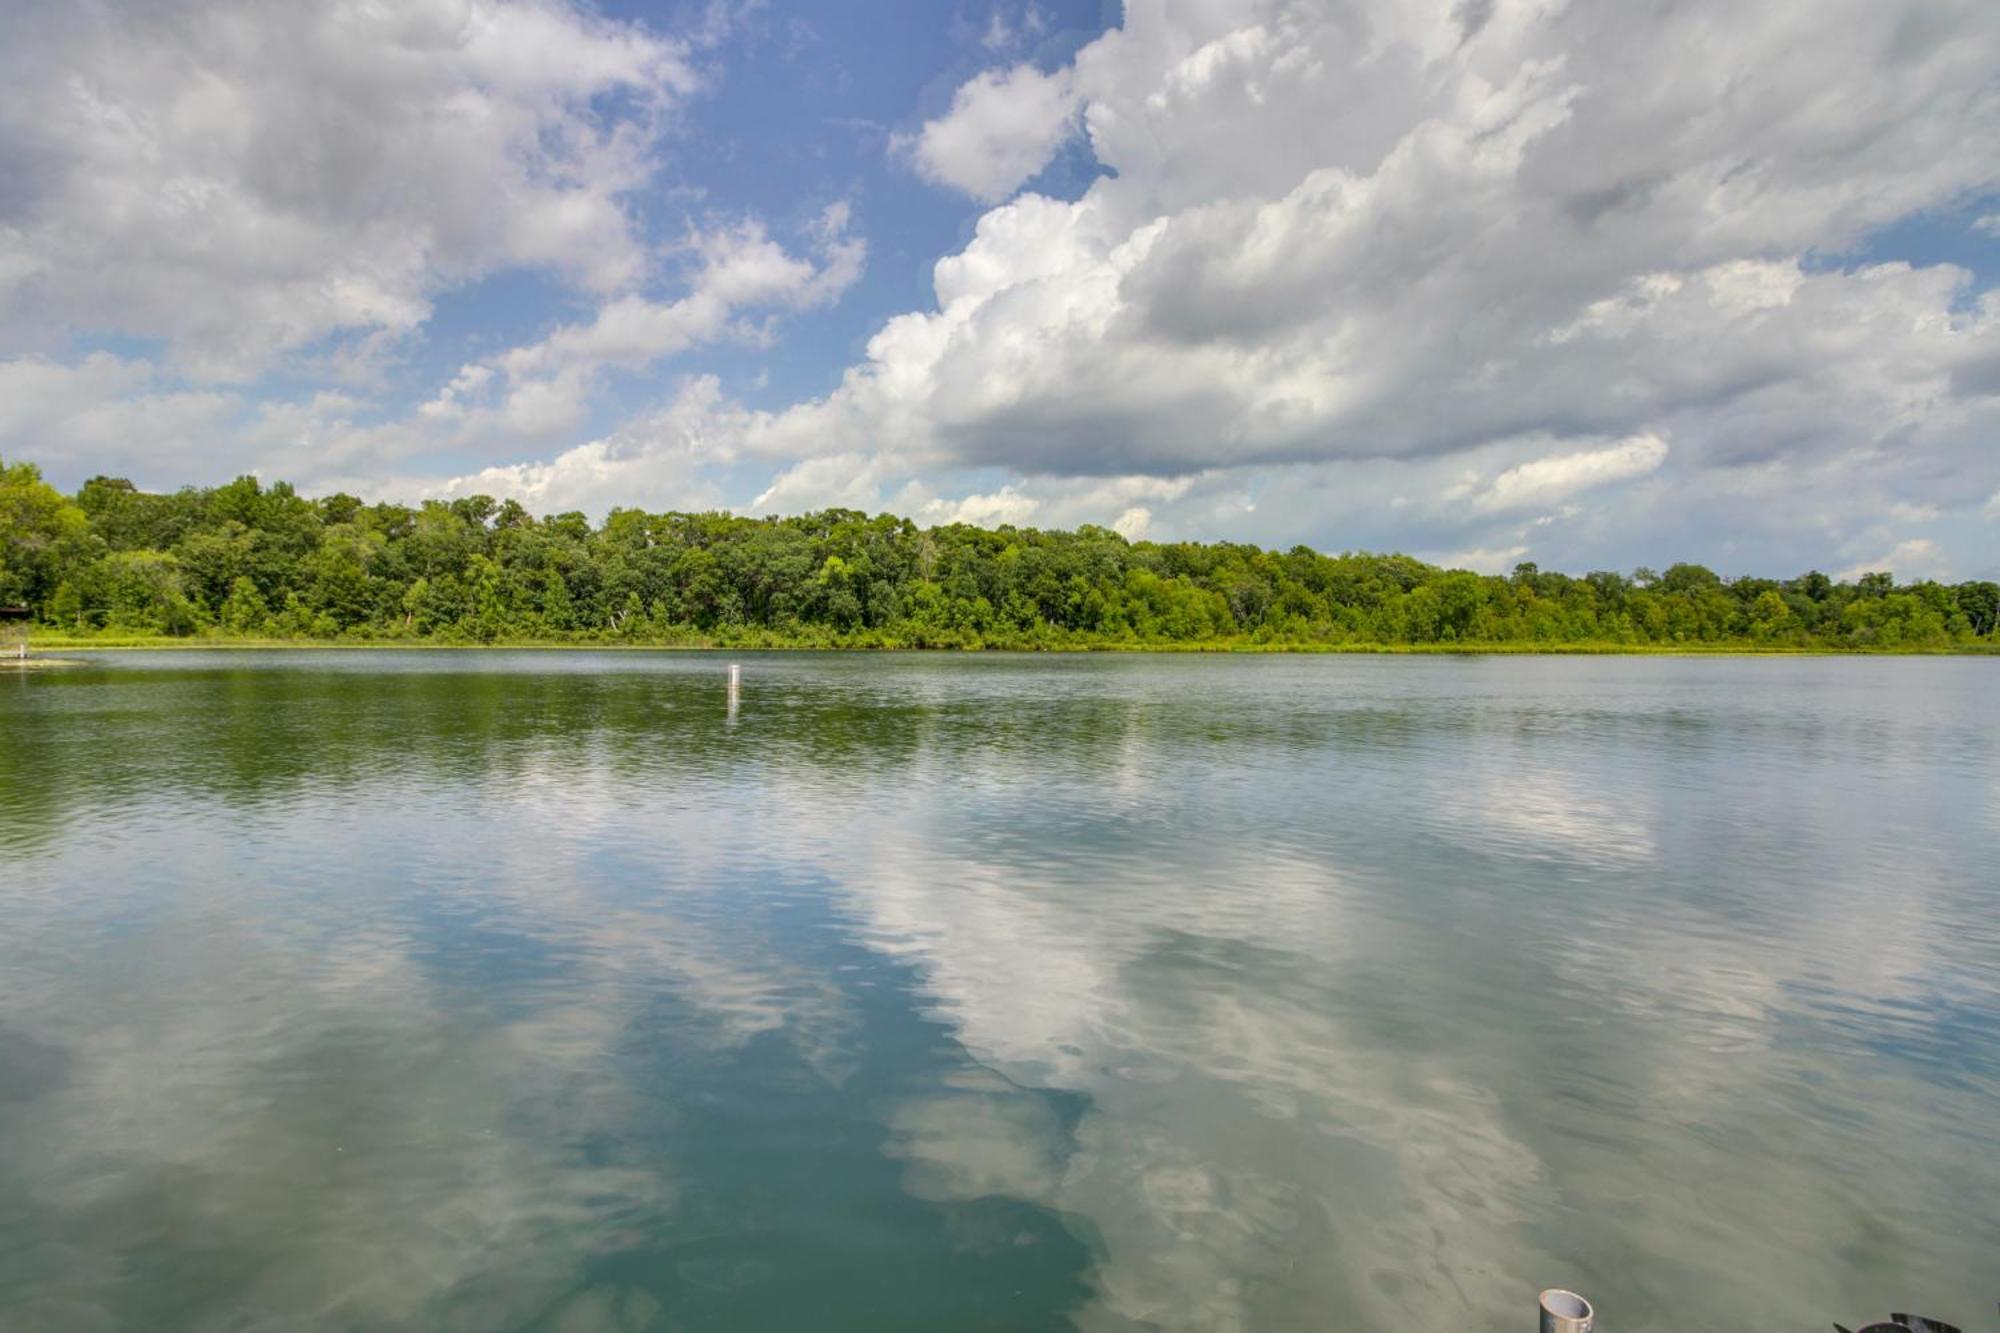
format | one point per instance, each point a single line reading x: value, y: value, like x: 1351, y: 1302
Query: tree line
x: 247, y: 560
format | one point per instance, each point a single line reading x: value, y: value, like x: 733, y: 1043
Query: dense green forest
x: 251, y: 561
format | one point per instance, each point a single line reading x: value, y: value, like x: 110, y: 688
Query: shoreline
x: 1501, y: 649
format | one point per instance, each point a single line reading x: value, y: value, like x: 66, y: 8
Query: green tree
x: 41, y: 533
x: 245, y: 611
x: 141, y: 590
x: 250, y: 558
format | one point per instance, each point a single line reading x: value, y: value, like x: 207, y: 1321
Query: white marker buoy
x: 735, y: 684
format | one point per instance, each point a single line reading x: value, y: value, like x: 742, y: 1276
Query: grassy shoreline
x: 127, y: 643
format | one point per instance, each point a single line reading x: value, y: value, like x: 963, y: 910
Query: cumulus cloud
x: 663, y: 456
x: 105, y: 410
x: 1518, y: 278
x: 542, y: 390
x: 857, y: 480
x: 1499, y: 244
x: 1339, y: 235
x: 1003, y: 127
x: 1557, y: 477
x: 739, y: 267
x: 36, y: 393
x: 1917, y: 558
x: 238, y: 178
x: 1345, y: 253
x: 1482, y: 560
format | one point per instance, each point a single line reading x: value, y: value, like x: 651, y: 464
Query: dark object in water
x: 1903, y: 1323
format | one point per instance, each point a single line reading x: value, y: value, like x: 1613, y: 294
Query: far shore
x: 111, y: 643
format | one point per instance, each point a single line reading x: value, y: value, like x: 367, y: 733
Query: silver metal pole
x: 1566, y: 1312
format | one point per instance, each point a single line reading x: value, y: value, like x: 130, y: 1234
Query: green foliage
x: 141, y: 590
x: 41, y: 535
x: 244, y: 611
x: 250, y: 561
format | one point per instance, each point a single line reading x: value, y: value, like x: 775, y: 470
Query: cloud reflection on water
x: 1286, y: 988
x: 314, y: 1122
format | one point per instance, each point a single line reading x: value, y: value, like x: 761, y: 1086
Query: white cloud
x: 1003, y: 127
x: 450, y: 401
x: 543, y: 390
x: 659, y: 459
x: 1003, y: 34
x: 739, y: 267
x: 105, y: 412
x: 1133, y: 524
x: 1433, y: 276
x: 37, y: 393
x: 240, y: 179
x: 1917, y: 558
x: 1557, y: 477
x: 844, y: 480
x: 1482, y: 560
x: 861, y: 481
x: 1324, y: 251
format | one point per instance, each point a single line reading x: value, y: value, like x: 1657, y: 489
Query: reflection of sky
x: 1163, y: 992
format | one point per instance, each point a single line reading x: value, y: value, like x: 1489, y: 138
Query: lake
x: 493, y: 991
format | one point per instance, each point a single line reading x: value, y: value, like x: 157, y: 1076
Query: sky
x: 1597, y: 286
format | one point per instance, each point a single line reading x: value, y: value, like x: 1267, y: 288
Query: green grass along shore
x: 753, y: 643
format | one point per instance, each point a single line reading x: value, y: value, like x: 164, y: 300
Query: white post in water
x: 1566, y: 1312
x: 735, y: 684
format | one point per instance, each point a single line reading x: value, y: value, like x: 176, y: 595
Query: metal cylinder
x: 1566, y: 1312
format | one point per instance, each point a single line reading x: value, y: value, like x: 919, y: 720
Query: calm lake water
x: 495, y: 991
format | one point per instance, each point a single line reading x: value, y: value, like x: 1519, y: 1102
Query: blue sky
x: 800, y: 114
x: 1484, y: 281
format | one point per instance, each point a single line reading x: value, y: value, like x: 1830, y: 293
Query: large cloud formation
x: 263, y: 194
x: 1509, y: 234
x: 242, y: 178
x: 1475, y: 278
x: 1527, y: 252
